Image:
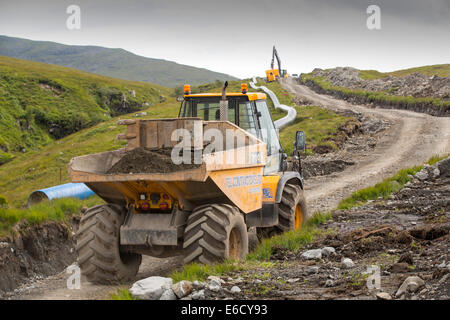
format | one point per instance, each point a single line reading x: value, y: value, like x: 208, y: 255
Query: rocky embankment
x: 415, y: 84
x: 412, y: 92
x: 358, y: 135
x: 396, y: 248
x: 33, y: 252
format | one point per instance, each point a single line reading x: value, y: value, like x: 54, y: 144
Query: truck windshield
x: 269, y: 133
x: 206, y: 110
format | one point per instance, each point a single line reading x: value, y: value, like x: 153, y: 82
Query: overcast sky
x: 236, y: 36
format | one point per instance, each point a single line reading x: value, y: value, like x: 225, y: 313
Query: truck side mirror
x: 300, y: 141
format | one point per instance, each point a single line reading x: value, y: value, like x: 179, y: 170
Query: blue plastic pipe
x: 68, y: 190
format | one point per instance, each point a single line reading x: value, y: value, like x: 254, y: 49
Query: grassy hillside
x: 40, y: 102
x: 117, y: 63
x: 40, y: 169
x: 441, y: 70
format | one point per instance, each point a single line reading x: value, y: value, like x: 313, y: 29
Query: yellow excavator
x: 202, y: 211
x: 275, y: 74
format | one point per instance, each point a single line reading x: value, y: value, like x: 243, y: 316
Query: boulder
x: 182, y: 288
x: 216, y: 279
x: 312, y: 270
x: 422, y: 175
x: 411, y: 284
x: 384, y: 296
x: 444, y: 167
x: 198, y: 295
x: 168, y: 295
x: 347, y: 263
x: 213, y: 286
x: 151, y: 288
x: 312, y: 254
x: 235, y: 289
x: 326, y: 251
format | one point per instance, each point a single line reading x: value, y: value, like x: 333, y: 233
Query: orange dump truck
x: 191, y: 185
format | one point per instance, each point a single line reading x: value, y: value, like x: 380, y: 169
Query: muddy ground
x: 405, y: 235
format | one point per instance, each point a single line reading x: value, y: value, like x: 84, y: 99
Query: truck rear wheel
x: 291, y: 212
x: 98, y: 246
x: 214, y: 233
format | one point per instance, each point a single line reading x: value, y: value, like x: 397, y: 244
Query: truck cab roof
x: 250, y: 95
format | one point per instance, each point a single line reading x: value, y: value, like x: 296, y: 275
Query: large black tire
x: 98, y: 247
x: 214, y: 233
x: 292, y: 209
x: 292, y: 212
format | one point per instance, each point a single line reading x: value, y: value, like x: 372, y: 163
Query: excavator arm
x: 275, y: 55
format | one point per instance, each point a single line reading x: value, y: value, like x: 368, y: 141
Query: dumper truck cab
x: 193, y: 185
x: 248, y: 111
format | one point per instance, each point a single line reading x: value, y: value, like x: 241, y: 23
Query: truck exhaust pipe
x: 223, y: 104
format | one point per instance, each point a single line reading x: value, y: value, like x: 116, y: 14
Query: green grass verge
x: 122, y: 294
x: 292, y: 240
x: 384, y: 188
x: 55, y: 210
x: 42, y: 102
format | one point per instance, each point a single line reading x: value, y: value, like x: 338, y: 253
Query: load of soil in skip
x: 145, y: 160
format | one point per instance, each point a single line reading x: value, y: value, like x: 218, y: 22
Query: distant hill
x: 117, y: 63
x: 42, y: 102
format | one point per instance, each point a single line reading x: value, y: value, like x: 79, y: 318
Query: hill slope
x: 47, y: 167
x: 41, y: 102
x: 423, y: 89
x: 117, y: 63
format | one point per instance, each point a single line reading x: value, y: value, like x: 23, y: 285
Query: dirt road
x: 412, y: 139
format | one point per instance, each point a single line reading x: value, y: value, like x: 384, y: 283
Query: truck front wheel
x: 292, y: 208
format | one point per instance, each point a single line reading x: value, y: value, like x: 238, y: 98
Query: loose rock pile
x: 415, y: 84
x: 160, y: 288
